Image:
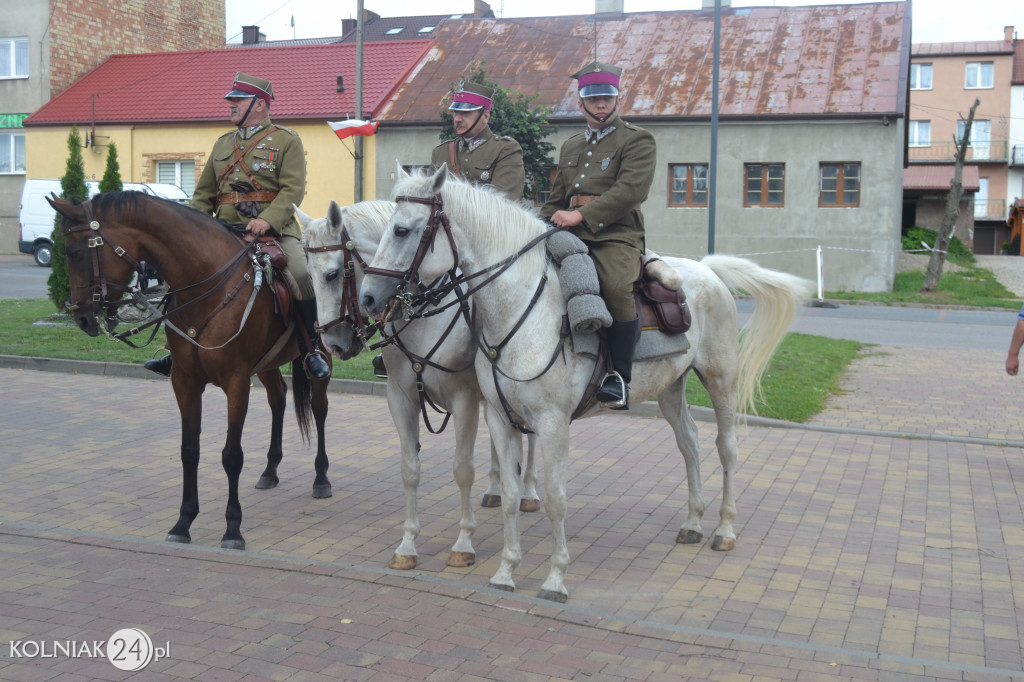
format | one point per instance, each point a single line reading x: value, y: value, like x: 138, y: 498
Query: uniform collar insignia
x: 599, y: 134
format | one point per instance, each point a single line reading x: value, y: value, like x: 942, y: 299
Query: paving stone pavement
x: 884, y: 541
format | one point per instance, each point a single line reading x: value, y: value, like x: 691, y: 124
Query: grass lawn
x: 804, y: 372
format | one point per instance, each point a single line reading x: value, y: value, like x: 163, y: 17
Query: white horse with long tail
x: 518, y: 319
x: 431, y: 365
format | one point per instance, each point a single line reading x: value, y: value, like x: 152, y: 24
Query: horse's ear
x: 399, y: 171
x: 304, y: 219
x: 437, y: 181
x: 59, y: 205
x: 334, y: 216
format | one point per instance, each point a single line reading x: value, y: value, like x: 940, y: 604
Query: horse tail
x: 302, y: 394
x: 777, y: 296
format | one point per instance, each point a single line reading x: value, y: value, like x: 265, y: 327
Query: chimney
x: 482, y: 10
x: 369, y: 17
x: 709, y: 5
x: 1008, y: 33
x: 347, y: 26
x: 251, y: 35
x: 607, y: 8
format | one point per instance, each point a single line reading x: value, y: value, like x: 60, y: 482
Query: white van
x: 37, y: 216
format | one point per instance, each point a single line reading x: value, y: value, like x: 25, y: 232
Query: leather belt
x: 238, y: 197
x: 582, y: 200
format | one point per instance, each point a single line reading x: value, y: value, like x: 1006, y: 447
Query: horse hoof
x: 551, y: 595
x: 233, y: 544
x: 322, y: 491
x: 503, y: 588
x: 529, y: 505
x: 402, y: 562
x: 689, y: 537
x: 266, y: 483
x: 722, y: 543
x: 491, y: 501
x: 183, y: 539
x: 461, y: 559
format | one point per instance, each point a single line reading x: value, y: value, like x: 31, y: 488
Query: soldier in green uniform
x: 254, y: 175
x: 477, y: 155
x: 604, y: 174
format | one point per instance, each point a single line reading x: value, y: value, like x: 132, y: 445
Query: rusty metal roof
x: 799, y: 61
x: 938, y: 177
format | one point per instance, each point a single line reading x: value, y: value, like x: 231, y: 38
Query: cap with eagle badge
x: 597, y: 79
x: 250, y: 86
x: 472, y: 96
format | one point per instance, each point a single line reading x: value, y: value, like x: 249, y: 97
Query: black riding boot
x: 160, y: 365
x: 314, y: 361
x: 379, y: 370
x: 621, y: 344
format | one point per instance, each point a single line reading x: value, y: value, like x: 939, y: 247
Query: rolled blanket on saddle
x: 580, y: 288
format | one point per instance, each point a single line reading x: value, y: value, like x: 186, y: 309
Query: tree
x: 111, y: 181
x: 511, y: 115
x: 956, y: 191
x: 72, y: 186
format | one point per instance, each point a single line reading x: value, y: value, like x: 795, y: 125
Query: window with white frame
x: 980, y: 140
x: 13, y: 57
x: 12, y: 152
x: 919, y: 133
x: 920, y: 76
x: 979, y: 75
x: 180, y: 173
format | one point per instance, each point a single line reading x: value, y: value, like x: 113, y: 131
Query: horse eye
x: 331, y: 276
x: 401, y: 231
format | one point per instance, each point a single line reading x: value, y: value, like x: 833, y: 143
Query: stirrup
x: 316, y: 374
x: 614, y: 392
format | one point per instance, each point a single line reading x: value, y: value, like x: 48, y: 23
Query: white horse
x: 519, y: 383
x: 440, y: 347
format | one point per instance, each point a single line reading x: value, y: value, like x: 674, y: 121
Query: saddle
x: 275, y: 270
x: 659, y: 307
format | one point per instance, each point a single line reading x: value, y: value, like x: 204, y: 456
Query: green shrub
x: 958, y: 253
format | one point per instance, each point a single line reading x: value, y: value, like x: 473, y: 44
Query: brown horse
x: 225, y: 327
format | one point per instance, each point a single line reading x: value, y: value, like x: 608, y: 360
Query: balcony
x: 1017, y: 158
x: 993, y: 151
x: 989, y: 209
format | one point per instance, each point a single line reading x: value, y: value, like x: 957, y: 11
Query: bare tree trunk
x: 956, y: 192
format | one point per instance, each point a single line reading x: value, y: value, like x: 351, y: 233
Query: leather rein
x: 439, y: 219
x: 98, y: 294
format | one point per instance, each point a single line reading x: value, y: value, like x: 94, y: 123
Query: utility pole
x: 358, y: 139
x: 713, y: 162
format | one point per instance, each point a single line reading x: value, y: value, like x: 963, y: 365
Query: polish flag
x: 352, y: 127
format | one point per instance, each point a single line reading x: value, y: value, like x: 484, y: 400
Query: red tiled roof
x: 806, y: 61
x: 964, y: 48
x: 190, y: 86
x: 938, y: 177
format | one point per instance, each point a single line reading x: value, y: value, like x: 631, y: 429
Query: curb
x: 648, y: 409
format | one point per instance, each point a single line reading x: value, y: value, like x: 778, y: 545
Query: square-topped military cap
x: 472, y: 96
x: 251, y: 86
x: 597, y: 79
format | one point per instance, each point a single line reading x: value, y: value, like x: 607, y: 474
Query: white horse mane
x: 483, y: 213
x: 371, y: 216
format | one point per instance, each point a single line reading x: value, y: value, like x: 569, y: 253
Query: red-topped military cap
x: 597, y: 79
x: 251, y: 86
x: 471, y: 96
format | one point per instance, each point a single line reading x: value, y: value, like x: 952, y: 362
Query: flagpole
x: 358, y: 141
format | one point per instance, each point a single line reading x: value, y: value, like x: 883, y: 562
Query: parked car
x: 36, y: 215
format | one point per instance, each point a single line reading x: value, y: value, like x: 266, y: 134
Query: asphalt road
x: 20, y: 277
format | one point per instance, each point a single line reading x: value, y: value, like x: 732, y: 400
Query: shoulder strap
x: 240, y: 153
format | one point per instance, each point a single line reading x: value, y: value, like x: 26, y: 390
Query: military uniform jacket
x: 277, y: 162
x: 488, y: 159
x: 619, y: 168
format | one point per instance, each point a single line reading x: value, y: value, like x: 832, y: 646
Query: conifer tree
x: 111, y: 181
x: 72, y: 186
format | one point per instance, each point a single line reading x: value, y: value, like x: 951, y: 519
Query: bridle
x: 98, y: 293
x: 349, y: 311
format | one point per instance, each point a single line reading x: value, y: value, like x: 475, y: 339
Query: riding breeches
x: 618, y: 267
x: 292, y: 248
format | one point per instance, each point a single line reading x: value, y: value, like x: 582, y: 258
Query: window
x: 13, y: 57
x: 920, y: 76
x: 840, y: 185
x: 919, y: 133
x: 979, y: 75
x: 426, y: 29
x: 765, y: 183
x: 544, y: 187
x: 688, y: 184
x: 980, y: 140
x: 394, y: 31
x: 12, y: 152
x: 180, y: 173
